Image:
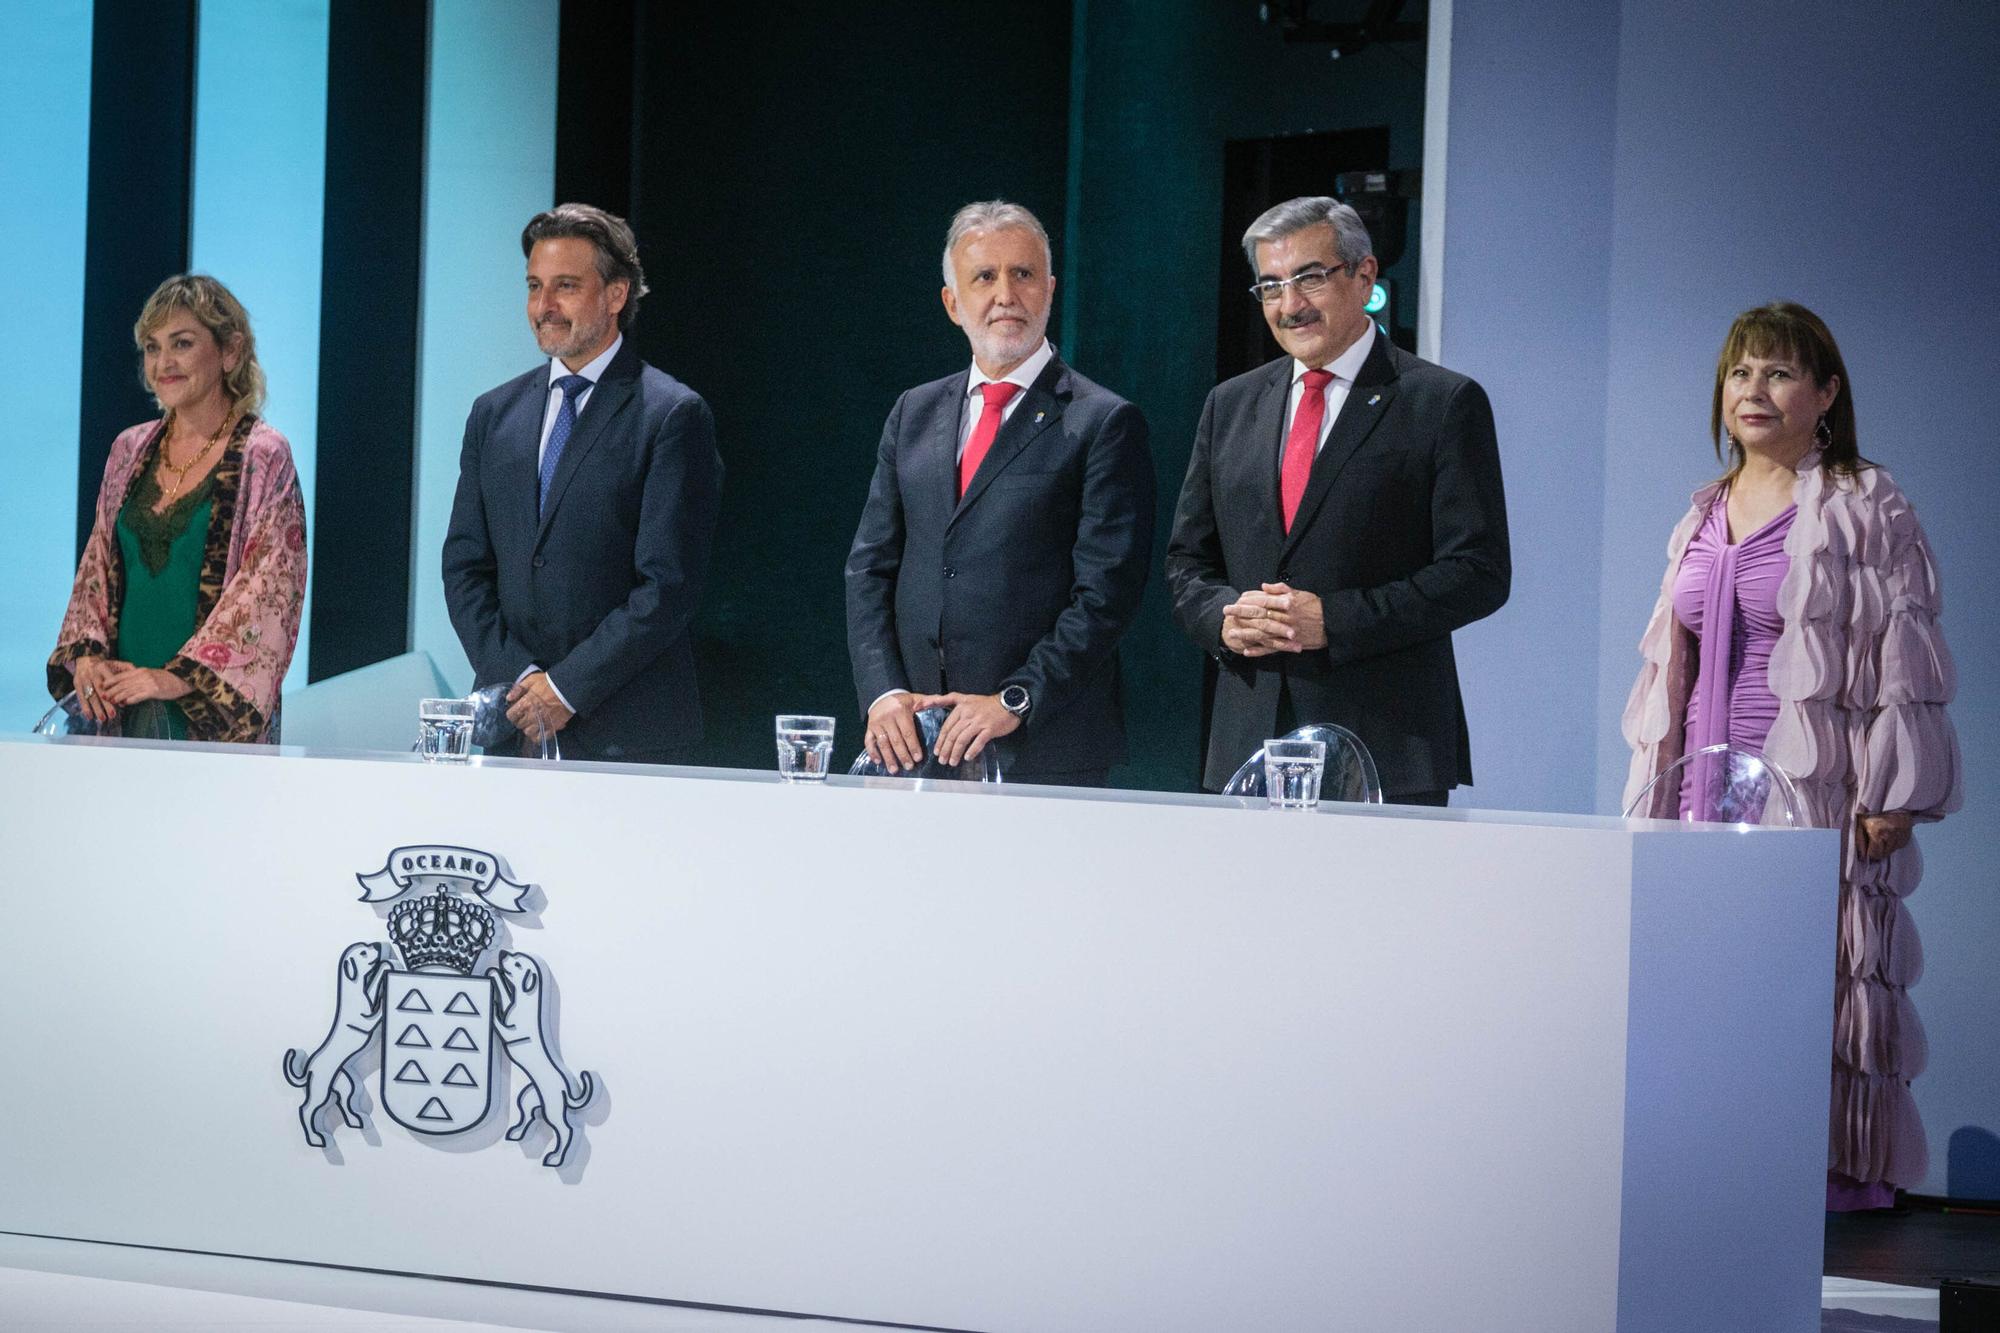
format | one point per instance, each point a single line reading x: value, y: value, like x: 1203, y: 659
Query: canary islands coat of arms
x: 435, y: 1003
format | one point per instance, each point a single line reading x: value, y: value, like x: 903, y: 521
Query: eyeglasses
x: 1273, y: 289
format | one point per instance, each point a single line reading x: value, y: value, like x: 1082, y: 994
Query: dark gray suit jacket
x: 1030, y: 580
x: 1402, y: 531
x: 600, y: 590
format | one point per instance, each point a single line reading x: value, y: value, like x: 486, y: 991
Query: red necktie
x: 983, y: 431
x: 1303, y: 443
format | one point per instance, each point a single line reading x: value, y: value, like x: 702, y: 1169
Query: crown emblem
x: 441, y: 932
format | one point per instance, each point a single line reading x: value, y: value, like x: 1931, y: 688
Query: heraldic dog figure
x: 357, y: 1012
x: 440, y: 1020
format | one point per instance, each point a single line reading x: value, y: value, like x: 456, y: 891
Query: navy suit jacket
x: 1402, y: 532
x: 601, y: 588
x: 1030, y: 580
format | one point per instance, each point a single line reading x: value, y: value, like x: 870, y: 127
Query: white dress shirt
x: 1344, y: 368
x: 1024, y: 375
x: 593, y: 372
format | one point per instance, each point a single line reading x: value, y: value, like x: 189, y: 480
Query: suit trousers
x: 1288, y: 721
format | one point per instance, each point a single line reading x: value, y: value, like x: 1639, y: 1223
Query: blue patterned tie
x: 571, y: 386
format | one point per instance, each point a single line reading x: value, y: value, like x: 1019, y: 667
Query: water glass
x: 444, y: 730
x: 805, y: 747
x: 1292, y: 772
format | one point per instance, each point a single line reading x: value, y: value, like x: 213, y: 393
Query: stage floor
x: 53, y: 1286
x: 1920, y: 1246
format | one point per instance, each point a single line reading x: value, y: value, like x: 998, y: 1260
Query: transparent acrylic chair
x: 1731, y: 784
x: 66, y: 719
x: 986, y: 768
x: 145, y: 722
x: 1350, y: 770
x: 493, y: 733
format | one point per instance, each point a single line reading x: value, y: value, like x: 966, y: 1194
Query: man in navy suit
x: 1005, y: 542
x: 587, y: 495
x: 1342, y: 515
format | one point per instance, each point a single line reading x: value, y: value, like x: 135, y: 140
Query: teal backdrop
x: 792, y: 210
x: 1158, y: 91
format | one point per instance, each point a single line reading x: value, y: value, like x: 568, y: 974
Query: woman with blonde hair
x: 1799, y: 617
x: 185, y: 609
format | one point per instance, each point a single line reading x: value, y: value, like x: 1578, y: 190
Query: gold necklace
x: 180, y: 473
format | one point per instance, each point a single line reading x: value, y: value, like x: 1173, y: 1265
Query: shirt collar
x: 1024, y: 374
x: 1348, y: 364
x: 594, y: 371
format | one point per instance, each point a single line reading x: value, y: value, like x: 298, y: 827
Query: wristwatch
x: 1015, y: 700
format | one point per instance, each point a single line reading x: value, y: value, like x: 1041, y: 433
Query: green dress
x: 162, y: 555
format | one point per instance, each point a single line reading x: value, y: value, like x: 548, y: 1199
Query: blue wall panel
x: 1824, y: 165
x: 1524, y: 314
x: 259, y: 195
x: 1683, y: 165
x: 489, y: 166
x: 44, y: 170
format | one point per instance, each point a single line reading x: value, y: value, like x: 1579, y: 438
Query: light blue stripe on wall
x: 259, y: 194
x: 44, y: 176
x: 489, y: 165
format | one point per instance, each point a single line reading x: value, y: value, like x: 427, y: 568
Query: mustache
x: 1298, y: 321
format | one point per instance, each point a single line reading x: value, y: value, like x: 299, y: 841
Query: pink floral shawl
x: 1862, y: 677
x: 252, y: 583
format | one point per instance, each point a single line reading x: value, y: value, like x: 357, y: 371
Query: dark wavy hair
x: 1787, y: 329
x: 617, y: 249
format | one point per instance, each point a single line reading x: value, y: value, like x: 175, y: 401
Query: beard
x: 995, y: 347
x: 571, y: 340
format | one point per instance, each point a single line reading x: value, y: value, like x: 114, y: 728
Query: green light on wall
x: 1378, y: 299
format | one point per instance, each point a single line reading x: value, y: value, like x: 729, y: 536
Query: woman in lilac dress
x: 1799, y: 616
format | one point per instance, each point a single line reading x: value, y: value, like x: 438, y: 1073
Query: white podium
x: 969, y: 1058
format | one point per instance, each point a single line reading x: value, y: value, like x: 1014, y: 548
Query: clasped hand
x: 892, y: 738
x: 1277, y: 618
x: 105, y: 685
x: 534, y: 708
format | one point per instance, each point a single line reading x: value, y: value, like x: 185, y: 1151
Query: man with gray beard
x: 587, y: 494
x: 1005, y: 542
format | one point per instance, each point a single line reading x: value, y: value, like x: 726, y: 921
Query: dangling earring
x: 1823, y: 433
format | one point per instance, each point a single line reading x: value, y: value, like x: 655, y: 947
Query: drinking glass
x: 805, y: 747
x: 444, y: 730
x: 1292, y: 772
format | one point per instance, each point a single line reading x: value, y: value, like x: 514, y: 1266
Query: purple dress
x: 1727, y: 596
x: 1865, y: 680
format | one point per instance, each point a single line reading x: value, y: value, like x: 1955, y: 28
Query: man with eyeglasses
x: 1342, y: 515
x: 1007, y: 535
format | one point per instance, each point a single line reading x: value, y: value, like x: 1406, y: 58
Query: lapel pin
x: 1040, y: 415
x: 1376, y: 399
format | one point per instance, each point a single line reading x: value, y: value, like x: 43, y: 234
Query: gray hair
x: 617, y: 249
x: 991, y: 215
x: 1295, y: 215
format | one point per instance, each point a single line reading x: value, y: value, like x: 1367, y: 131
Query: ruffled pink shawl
x: 252, y: 584
x: 1862, y: 677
